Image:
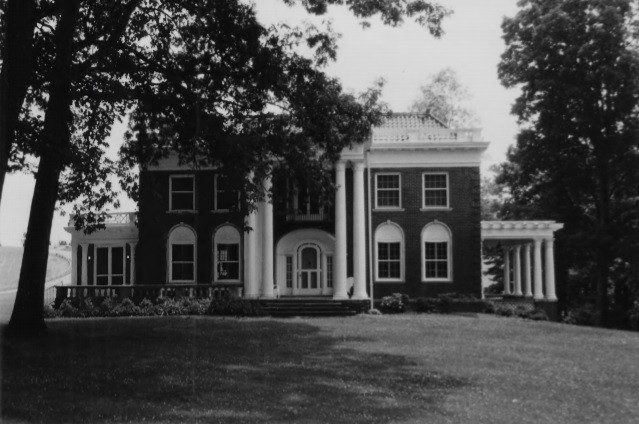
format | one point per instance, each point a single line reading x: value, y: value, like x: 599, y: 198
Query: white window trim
x: 450, y: 254
x: 388, y: 208
x: 169, y: 255
x: 402, y: 255
x: 239, y: 259
x: 428, y: 208
x: 192, y: 176
x: 109, y: 259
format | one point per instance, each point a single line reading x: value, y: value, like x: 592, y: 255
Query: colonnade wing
x: 516, y: 238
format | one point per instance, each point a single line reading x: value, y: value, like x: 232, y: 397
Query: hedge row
x: 115, y: 307
x: 454, y: 303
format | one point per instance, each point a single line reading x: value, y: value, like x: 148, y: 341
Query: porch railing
x: 150, y: 291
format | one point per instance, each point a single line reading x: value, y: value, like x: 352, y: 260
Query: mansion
x: 405, y: 218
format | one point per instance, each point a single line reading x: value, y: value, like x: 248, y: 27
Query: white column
x: 85, y: 264
x: 339, y: 265
x: 517, y: 271
x: 251, y: 287
x: 527, y: 270
x: 506, y: 270
x: 267, y: 241
x: 550, y: 270
x: 359, y: 233
x: 132, y: 276
x: 539, y: 294
x: 74, y: 264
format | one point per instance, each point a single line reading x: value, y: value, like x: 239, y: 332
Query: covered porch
x: 528, y: 273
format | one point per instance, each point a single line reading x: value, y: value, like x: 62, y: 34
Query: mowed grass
x: 365, y: 369
x: 11, y: 260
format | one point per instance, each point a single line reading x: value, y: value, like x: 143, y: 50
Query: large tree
x: 17, y: 25
x: 576, y: 158
x: 203, y: 78
x: 446, y: 98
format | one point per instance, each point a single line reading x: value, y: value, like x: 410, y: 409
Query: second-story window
x: 224, y: 198
x: 435, y: 190
x: 388, y: 191
x: 182, y: 193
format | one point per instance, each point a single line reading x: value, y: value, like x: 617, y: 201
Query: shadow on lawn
x: 210, y: 370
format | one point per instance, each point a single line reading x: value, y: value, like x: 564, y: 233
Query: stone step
x: 307, y: 307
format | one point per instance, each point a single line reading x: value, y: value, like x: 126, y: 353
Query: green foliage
x: 576, y: 159
x: 394, y: 304
x: 450, y: 303
x: 445, y: 98
x: 585, y: 314
x: 633, y: 317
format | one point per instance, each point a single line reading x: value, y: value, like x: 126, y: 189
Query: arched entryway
x: 305, y: 263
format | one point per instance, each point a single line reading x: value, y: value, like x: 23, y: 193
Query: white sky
x: 404, y: 56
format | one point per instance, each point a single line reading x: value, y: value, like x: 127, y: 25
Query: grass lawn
x: 365, y: 369
x: 11, y: 261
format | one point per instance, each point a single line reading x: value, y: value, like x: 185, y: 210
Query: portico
x: 289, y: 273
x: 526, y: 274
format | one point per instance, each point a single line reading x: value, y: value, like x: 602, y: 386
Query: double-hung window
x: 435, y: 189
x: 436, y: 252
x: 226, y: 244
x: 224, y: 198
x: 389, y: 252
x: 388, y: 192
x: 182, y: 193
x: 182, y: 252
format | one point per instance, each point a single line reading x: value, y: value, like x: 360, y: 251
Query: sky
x: 404, y: 56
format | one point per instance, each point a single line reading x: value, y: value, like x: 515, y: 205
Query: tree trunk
x: 16, y: 73
x: 27, y: 318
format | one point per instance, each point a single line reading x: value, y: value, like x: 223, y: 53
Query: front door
x: 309, y: 270
x: 109, y: 265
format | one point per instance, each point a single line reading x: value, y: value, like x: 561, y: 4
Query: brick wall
x: 463, y: 219
x: 155, y: 221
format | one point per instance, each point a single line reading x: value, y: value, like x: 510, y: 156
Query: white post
x: 359, y: 233
x: 506, y: 270
x: 74, y: 264
x: 251, y: 288
x: 85, y: 265
x: 517, y: 271
x: 539, y: 295
x: 527, y: 270
x: 550, y: 270
x: 339, y: 276
x: 267, y: 242
x: 132, y: 276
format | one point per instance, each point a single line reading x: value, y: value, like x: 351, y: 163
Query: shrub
x: 51, y: 312
x: 537, y: 315
x: 172, y: 307
x: 581, y: 315
x: 67, y: 309
x: 633, y: 316
x: 394, y: 304
x: 86, y: 308
x: 504, y: 310
x: 427, y: 304
x: 146, y: 307
x: 125, y: 308
x: 106, y: 307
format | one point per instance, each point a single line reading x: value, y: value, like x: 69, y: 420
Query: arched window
x: 437, y: 248
x: 226, y: 254
x: 389, y: 252
x: 182, y: 253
